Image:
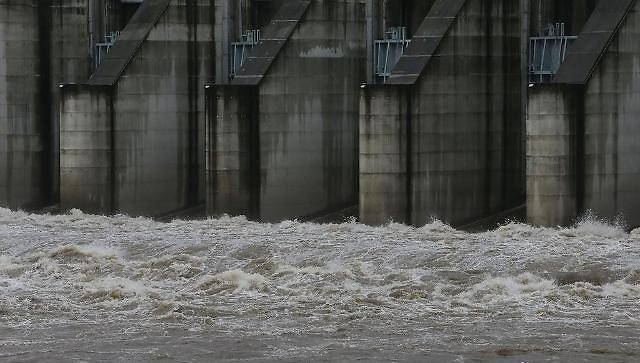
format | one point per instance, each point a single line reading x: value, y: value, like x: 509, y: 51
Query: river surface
x: 78, y: 287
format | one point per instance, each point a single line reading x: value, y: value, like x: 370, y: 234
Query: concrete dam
x: 401, y: 110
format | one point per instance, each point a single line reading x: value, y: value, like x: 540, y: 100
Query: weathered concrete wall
x: 466, y: 111
x: 309, y: 114
x: 233, y: 151
x: 612, y: 127
x: 44, y: 43
x: 465, y: 121
x: 70, y: 53
x: 231, y: 19
x: 86, y: 143
x: 582, y: 140
x: 69, y: 41
x: 24, y: 128
x: 384, y: 155
x: 158, y: 112
x: 553, y: 117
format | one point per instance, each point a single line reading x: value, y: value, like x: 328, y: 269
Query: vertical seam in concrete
x: 489, y: 103
x: 579, y: 105
x: 210, y: 126
x: 506, y: 71
x: 525, y: 26
x: 112, y: 156
x: 255, y: 176
x: 371, y: 25
x: 406, y: 93
x: 212, y: 27
x: 616, y: 136
x: 191, y: 191
x: 226, y: 39
x: 44, y: 100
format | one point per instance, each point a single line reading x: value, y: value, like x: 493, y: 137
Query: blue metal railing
x: 389, y: 50
x: 547, y: 52
x: 240, y: 50
x: 103, y: 48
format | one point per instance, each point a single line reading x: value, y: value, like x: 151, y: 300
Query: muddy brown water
x: 78, y: 287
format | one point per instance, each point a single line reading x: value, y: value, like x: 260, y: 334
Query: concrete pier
x: 146, y: 104
x: 70, y: 62
x: 24, y: 128
x: 460, y: 80
x: 552, y: 154
x: 405, y: 110
x: 297, y: 99
x: 384, y: 154
x: 42, y: 43
x: 583, y: 128
x: 233, y: 151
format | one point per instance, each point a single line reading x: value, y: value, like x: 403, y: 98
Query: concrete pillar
x: 155, y: 75
x: 24, y: 129
x: 159, y: 113
x: 612, y: 127
x: 525, y: 26
x: 309, y: 114
x: 45, y: 43
x: 552, y: 155
x: 307, y: 72
x: 70, y: 62
x: 464, y: 119
x: 384, y: 156
x: 467, y: 118
x: 86, y: 147
x: 233, y: 177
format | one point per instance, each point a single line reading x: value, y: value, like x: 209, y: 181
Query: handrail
x: 547, y: 52
x: 240, y: 49
x: 103, y: 48
x: 389, y: 50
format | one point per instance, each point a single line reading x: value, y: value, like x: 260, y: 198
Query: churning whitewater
x: 84, y: 287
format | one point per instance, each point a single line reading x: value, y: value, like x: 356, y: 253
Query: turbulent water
x: 79, y: 287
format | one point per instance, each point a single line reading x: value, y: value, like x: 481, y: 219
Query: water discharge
x: 93, y: 288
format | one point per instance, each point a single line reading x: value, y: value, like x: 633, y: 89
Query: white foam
x: 311, y: 268
x: 90, y: 251
x: 6, y: 262
x: 236, y: 278
x: 114, y: 288
x: 508, y: 287
x: 437, y: 226
x: 621, y: 289
x: 591, y: 225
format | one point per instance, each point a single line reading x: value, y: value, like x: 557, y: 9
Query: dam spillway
x: 582, y: 131
x: 130, y: 140
x: 440, y: 135
x: 296, y: 109
x: 283, y: 129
